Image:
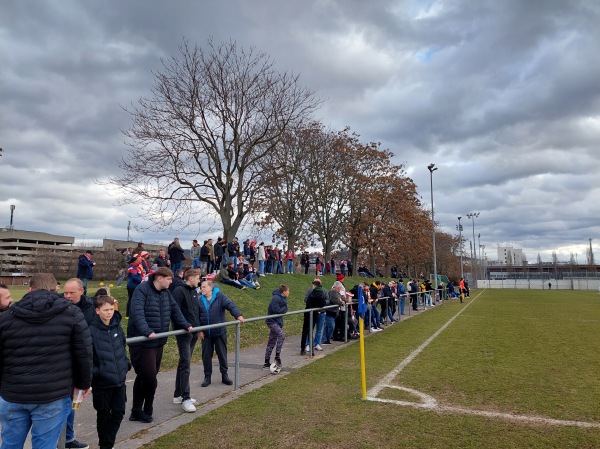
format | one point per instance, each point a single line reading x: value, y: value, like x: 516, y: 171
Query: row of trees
x: 224, y: 133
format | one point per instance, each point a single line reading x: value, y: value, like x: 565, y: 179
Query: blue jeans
x: 175, y: 266
x: 261, y: 266
x: 402, y: 301
x: 195, y: 263
x: 234, y: 260
x: 122, y: 273
x: 329, y: 327
x: 70, y: 434
x: 45, y: 421
x: 290, y: 266
x: 375, y: 317
x: 320, y: 325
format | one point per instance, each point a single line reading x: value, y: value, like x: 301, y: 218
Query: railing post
x: 236, y: 377
x: 310, y: 333
x: 346, y: 324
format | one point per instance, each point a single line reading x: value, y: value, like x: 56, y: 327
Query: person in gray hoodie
x: 278, y: 305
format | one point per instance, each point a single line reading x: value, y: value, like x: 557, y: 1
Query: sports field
x: 507, y: 369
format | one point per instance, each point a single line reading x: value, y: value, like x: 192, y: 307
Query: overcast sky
x: 503, y: 96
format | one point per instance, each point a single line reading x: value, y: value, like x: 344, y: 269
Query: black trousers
x: 306, y: 329
x: 110, y: 407
x: 210, y: 345
x: 186, y: 344
x: 129, y: 295
x: 146, y: 363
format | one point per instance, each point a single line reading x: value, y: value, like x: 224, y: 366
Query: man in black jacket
x: 152, y: 308
x: 34, y: 393
x: 316, y: 299
x: 186, y: 297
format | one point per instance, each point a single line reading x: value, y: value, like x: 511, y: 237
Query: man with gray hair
x: 37, y: 384
x: 5, y: 298
x: 334, y: 298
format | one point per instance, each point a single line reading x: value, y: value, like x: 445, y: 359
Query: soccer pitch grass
x: 513, y: 353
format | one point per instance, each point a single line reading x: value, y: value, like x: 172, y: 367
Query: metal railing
x: 238, y: 324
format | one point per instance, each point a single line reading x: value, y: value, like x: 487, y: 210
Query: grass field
x: 530, y: 353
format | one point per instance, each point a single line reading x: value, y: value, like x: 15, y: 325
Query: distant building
x: 508, y: 255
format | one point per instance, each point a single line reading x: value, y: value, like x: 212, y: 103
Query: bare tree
x: 284, y: 201
x: 197, y: 144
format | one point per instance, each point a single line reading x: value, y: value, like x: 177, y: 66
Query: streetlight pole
x: 128, y: 227
x: 472, y: 216
x: 432, y: 168
x: 460, y: 228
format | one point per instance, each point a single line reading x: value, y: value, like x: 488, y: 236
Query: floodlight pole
x: 128, y: 227
x: 12, y: 214
x: 473, y: 216
x: 432, y: 168
x: 459, y: 227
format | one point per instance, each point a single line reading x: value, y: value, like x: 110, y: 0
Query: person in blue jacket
x: 213, y: 304
x: 85, y: 268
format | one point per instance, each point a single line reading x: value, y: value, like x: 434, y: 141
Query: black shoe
x: 226, y: 380
x: 206, y: 382
x: 278, y: 361
x: 303, y: 352
x: 267, y: 365
x: 76, y: 445
x: 326, y: 342
x: 138, y: 415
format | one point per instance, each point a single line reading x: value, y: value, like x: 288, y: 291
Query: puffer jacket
x: 334, y: 299
x: 45, y: 349
x: 86, y: 305
x: 186, y: 298
x: 177, y: 282
x: 212, y: 311
x: 277, y: 305
x: 110, y: 359
x: 152, y: 311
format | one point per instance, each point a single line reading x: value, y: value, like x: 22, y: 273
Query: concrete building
x: 508, y: 255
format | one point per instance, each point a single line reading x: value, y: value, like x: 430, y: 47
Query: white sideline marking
x: 388, y: 379
x: 429, y: 402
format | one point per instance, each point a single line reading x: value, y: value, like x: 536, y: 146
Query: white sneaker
x: 307, y: 348
x: 188, y: 406
x: 318, y: 348
x: 179, y: 400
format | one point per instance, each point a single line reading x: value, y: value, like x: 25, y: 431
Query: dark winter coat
x: 186, y: 298
x: 233, y: 249
x: 86, y: 305
x: 45, y: 349
x: 152, y: 311
x: 110, y: 359
x: 334, y: 298
x: 212, y: 311
x: 317, y: 298
x: 204, y: 253
x: 177, y: 282
x: 85, y: 268
x: 175, y: 252
x: 277, y: 305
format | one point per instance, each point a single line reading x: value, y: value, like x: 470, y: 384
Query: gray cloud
x: 502, y: 96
